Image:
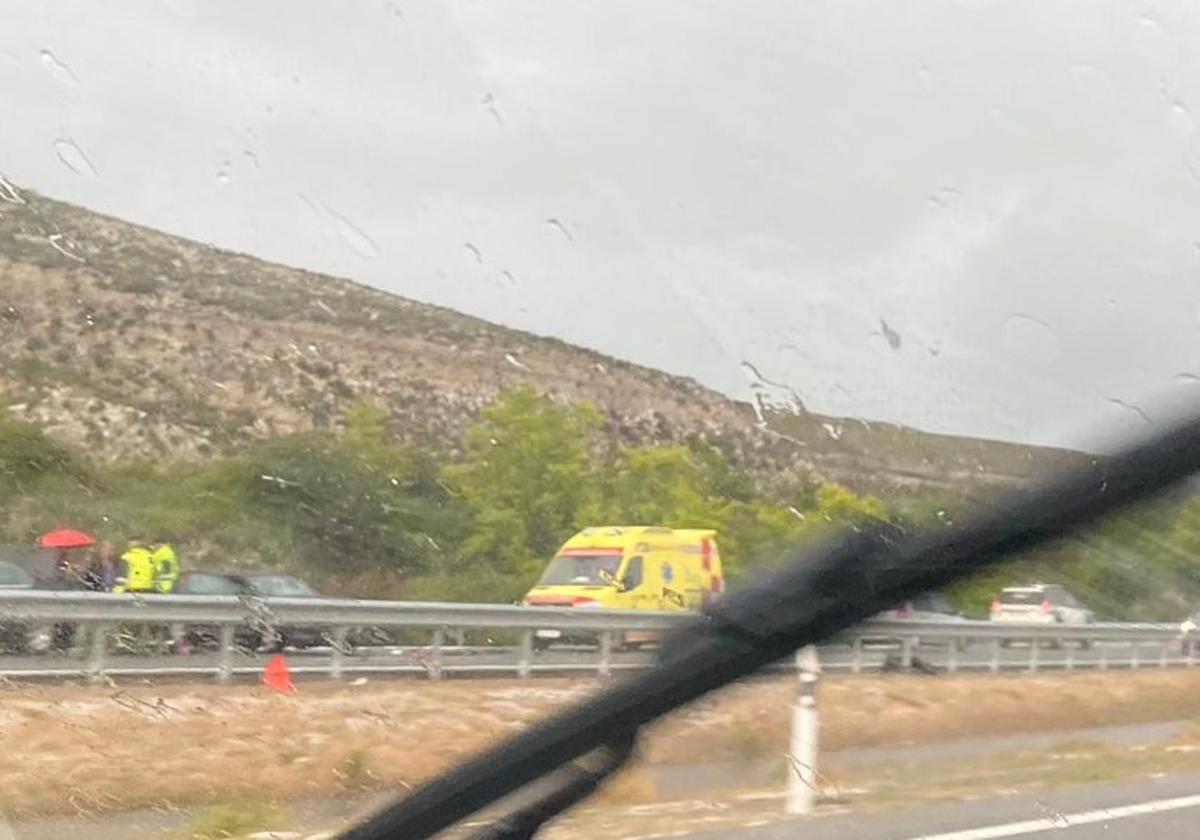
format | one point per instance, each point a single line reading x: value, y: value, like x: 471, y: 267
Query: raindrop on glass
x: 890, y: 335
x: 57, y: 69
x: 1029, y: 338
x: 73, y: 158
x: 1180, y: 120
x: 358, y: 240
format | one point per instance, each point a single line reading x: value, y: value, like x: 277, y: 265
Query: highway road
x: 479, y: 661
x: 1168, y: 806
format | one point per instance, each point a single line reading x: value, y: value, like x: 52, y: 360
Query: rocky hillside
x: 131, y: 342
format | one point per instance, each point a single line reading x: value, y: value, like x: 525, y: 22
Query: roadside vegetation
x: 362, y: 515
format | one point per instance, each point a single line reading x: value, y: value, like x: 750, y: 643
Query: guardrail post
x: 606, y: 647
x: 1135, y: 656
x: 906, y: 651
x: 524, y: 663
x: 1103, y: 657
x: 994, y: 665
x: 1162, y: 657
x: 437, y: 643
x: 225, y: 654
x: 856, y: 659
x: 338, y: 661
x: 1033, y: 654
x: 952, y: 656
x: 98, y: 649
x: 802, y: 775
x: 1070, y: 657
x: 1191, y: 654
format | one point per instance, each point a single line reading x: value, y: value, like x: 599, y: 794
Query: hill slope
x: 136, y: 343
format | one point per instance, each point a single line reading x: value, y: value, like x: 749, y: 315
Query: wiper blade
x: 819, y: 593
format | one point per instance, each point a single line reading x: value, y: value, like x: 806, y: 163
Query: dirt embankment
x: 69, y: 748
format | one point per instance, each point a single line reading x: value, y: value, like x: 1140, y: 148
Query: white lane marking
x: 1060, y: 821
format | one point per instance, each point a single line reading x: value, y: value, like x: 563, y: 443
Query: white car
x: 1041, y: 603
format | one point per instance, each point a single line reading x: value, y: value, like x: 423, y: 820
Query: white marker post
x: 802, y: 758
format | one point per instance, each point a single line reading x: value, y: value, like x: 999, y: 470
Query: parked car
x: 199, y: 582
x: 1040, y: 603
x: 280, y: 585
x: 15, y: 637
x: 249, y: 584
x: 29, y: 638
x: 926, y: 608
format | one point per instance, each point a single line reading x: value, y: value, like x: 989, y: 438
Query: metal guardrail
x: 99, y: 615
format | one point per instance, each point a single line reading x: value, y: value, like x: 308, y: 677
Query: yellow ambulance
x: 640, y: 567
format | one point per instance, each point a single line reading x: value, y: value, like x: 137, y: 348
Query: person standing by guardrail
x: 166, y: 567
x: 101, y: 573
x: 136, y: 572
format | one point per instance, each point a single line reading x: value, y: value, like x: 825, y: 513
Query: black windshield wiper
x: 820, y: 592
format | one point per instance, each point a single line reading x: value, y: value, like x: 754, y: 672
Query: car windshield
x: 585, y: 569
x: 444, y: 315
x: 202, y: 584
x: 281, y: 586
x: 13, y: 575
x: 1022, y: 596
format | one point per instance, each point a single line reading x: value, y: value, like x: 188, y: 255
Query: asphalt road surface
x: 581, y: 659
x: 1129, y: 810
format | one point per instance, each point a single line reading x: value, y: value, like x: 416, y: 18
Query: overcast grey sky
x: 1013, y: 188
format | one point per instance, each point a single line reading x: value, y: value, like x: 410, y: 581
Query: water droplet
x: 1179, y: 119
x: 1188, y: 378
x: 1029, y: 338
x: 73, y: 158
x: 507, y: 279
x: 9, y: 193
x: 57, y: 69
x: 489, y: 102
x: 1130, y: 407
x: 358, y: 241
x: 561, y: 228
x: 890, y: 335
x: 223, y: 177
x: 474, y: 251
x: 515, y: 362
x: 252, y: 157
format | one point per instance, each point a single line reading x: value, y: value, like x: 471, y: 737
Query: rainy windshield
x: 396, y: 316
x: 589, y: 569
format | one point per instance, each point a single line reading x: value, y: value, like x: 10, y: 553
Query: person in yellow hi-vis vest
x: 136, y: 570
x: 166, y: 568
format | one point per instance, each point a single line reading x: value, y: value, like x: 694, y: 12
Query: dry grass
x: 64, y: 747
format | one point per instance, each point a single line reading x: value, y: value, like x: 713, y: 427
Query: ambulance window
x: 633, y: 573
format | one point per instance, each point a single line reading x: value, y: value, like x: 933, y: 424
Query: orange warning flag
x: 277, y: 675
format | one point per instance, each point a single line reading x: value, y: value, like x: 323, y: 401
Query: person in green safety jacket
x: 166, y: 568
x: 136, y: 570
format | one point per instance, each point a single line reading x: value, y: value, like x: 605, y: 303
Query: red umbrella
x: 66, y: 538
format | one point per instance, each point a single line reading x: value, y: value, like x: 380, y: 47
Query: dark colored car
x: 16, y: 637
x: 258, y: 633
x: 208, y: 635
x: 279, y: 585
x: 30, y: 638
